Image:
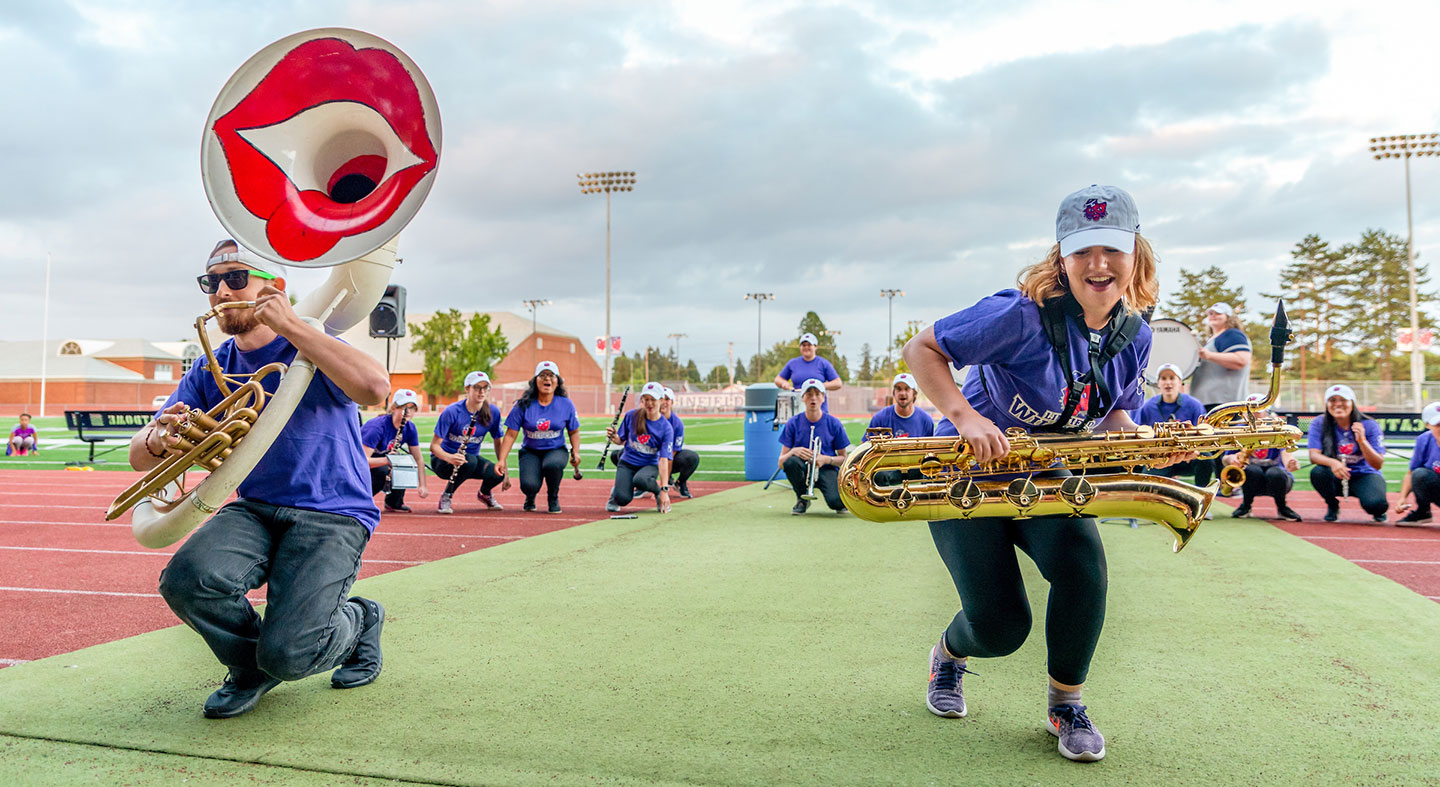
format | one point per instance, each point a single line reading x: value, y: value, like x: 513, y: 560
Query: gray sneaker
x: 445, y: 504
x: 612, y: 506
x: 1079, y: 740
x: 945, y: 696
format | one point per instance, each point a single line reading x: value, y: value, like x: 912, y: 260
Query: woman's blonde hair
x: 1231, y: 321
x: 1046, y: 278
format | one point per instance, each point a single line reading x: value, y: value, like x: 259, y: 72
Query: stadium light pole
x: 597, y: 183
x: 533, y: 303
x: 677, y: 337
x: 760, y: 298
x: 1404, y: 146
x: 890, y: 327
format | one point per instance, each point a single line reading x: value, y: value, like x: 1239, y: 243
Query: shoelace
x: 1074, y: 715
x: 948, y: 676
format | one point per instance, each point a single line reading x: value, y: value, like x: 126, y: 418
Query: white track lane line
x: 1400, y: 562
x: 165, y: 554
x: 13, y: 662
x: 1368, y: 538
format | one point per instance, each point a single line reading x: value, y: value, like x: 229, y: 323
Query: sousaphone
x: 317, y: 152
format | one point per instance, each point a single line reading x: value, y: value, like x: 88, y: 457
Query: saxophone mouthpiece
x: 1280, y: 334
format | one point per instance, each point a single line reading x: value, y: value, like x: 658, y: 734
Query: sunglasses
x: 236, y: 280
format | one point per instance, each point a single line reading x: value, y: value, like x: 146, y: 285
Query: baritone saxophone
x: 890, y: 479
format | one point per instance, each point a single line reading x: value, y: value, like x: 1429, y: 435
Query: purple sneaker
x: 489, y: 501
x: 945, y: 696
x: 1079, y: 740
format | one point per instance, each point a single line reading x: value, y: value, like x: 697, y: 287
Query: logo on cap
x: 1094, y: 209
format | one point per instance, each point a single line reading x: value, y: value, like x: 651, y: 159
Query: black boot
x: 363, y: 666
x: 240, y: 693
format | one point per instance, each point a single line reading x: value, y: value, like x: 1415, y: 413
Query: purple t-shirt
x: 544, y: 426
x: 1427, y: 453
x: 22, y: 433
x: 1346, y: 449
x: 677, y: 426
x: 829, y: 429
x: 458, y: 425
x: 1024, y: 385
x: 657, y: 443
x: 317, y: 462
x: 1156, y: 409
x: 917, y: 424
x: 798, y: 370
x: 379, y: 432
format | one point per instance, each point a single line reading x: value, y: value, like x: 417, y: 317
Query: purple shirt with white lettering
x: 1346, y: 449
x: 657, y: 443
x: 457, y: 424
x: 544, y: 426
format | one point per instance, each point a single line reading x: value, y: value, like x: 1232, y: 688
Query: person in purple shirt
x: 649, y: 442
x: 903, y: 418
x: 455, y: 448
x: 686, y: 461
x: 799, y: 435
x: 1171, y: 404
x: 1423, y: 477
x: 390, y: 434
x: 22, y: 438
x: 809, y: 366
x: 1268, y: 471
x: 545, y: 414
x: 1094, y: 283
x: 1347, y: 449
x: 304, y: 515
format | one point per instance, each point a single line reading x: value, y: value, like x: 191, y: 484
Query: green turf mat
x: 733, y: 643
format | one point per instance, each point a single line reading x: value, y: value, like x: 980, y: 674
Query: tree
x: 720, y: 375
x: 692, y: 372
x: 1197, y: 292
x: 1306, y: 287
x: 867, y: 364
x: 910, y: 331
x: 739, y: 370
x: 825, y: 347
x: 453, y: 347
x: 1374, y: 280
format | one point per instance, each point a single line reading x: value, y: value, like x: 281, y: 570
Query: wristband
x: 160, y: 455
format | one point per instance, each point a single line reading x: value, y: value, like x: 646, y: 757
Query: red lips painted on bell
x: 331, y: 139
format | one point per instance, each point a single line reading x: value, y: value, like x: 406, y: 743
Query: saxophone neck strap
x: 1123, y: 326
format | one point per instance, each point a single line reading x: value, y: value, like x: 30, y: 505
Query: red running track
x: 69, y: 579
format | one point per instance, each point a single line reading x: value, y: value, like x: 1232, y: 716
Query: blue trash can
x: 762, y: 440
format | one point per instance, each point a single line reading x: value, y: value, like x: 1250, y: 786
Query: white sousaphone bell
x: 317, y: 152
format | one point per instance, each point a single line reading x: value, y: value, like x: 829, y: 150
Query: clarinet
x: 465, y: 438
x: 620, y: 411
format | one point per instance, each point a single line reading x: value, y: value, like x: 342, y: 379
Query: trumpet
x: 814, y: 470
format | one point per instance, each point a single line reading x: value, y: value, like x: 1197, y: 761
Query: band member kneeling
x: 686, y: 461
x: 546, y: 415
x: 649, y: 443
x: 800, y: 436
x: 384, y: 435
x: 455, y: 448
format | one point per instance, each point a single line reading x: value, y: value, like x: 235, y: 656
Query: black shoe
x: 529, y: 504
x: 1332, y: 513
x: 1415, y: 518
x: 363, y: 666
x: 1241, y: 511
x: 553, y: 507
x: 801, y: 506
x: 401, y: 507
x: 1286, y: 512
x: 683, y: 489
x: 1380, y: 518
x: 238, y: 695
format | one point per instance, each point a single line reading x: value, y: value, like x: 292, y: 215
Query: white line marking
x: 1401, y: 562
x: 169, y: 554
x: 450, y: 535
x: 1367, y: 538
x: 83, y: 592
x: 13, y: 662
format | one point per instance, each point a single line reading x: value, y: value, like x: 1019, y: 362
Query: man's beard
x: 234, y: 322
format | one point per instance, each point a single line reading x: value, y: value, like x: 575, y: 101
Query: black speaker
x: 387, y: 321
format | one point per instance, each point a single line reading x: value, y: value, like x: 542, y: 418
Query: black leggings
x: 547, y: 466
x: 683, y: 465
x: 1204, y: 470
x: 1274, y: 481
x: 995, y: 615
x: 629, y: 478
x: 827, y: 481
x: 380, y: 482
x: 1426, y: 485
x: 476, y: 466
x: 1368, y: 487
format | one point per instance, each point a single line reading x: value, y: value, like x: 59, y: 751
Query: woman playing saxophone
x: 1085, y: 296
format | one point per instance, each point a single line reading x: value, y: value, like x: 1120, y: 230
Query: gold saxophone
x: 889, y: 479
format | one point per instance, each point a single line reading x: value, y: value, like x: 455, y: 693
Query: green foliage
x: 692, y: 372
x: 719, y: 375
x: 453, y: 347
x: 1197, y: 292
x: 1374, y: 283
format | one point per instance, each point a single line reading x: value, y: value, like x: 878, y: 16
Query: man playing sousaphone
x: 303, y: 517
x: 386, y: 436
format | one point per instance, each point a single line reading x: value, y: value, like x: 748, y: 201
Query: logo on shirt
x: 543, y: 426
x: 1435, y: 466
x: 1094, y: 209
x: 1262, y: 453
x: 1347, y: 448
x: 644, y: 438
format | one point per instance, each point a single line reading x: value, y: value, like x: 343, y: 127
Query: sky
x: 819, y: 151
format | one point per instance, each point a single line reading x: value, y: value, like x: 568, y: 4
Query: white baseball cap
x: 812, y: 384
x: 1097, y: 216
x: 809, y: 337
x: 1221, y: 308
x: 907, y: 379
x: 475, y: 378
x: 243, y: 256
x: 669, y: 394
x: 547, y: 366
x: 655, y: 390
x: 1341, y: 390
x: 403, y: 397
x: 1168, y: 367
x: 1431, y: 413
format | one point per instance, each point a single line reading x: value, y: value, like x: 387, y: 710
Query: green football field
x: 731, y: 643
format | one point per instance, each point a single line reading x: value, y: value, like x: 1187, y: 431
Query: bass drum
x: 1172, y: 341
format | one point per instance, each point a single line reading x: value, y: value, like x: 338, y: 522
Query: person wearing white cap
x: 1347, y: 449
x: 455, y: 446
x: 1064, y: 352
x: 304, y: 514
x: 1173, y: 404
x: 799, y: 434
x: 546, y: 415
x: 649, y: 443
x: 903, y: 418
x: 1268, y: 471
x: 1223, y: 374
x: 809, y: 366
x: 686, y: 461
x: 384, y: 435
x: 1423, y: 477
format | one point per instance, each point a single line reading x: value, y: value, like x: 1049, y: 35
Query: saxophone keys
x: 930, y: 464
x: 901, y: 499
x: 965, y: 495
x: 1077, y: 491
x: 1023, y: 494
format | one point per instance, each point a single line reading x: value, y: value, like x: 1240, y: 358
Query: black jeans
x: 1274, y: 481
x: 683, y: 465
x: 1426, y: 485
x: 827, y: 481
x: 308, y: 558
x: 547, y: 466
x: 1368, y: 487
x: 995, y: 615
x: 475, y: 466
x: 632, y: 478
